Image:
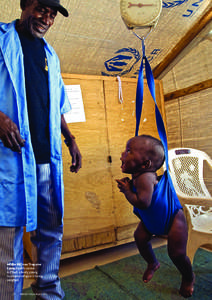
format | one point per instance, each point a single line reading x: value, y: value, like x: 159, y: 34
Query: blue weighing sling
x: 158, y: 217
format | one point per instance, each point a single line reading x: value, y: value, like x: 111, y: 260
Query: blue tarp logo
x: 123, y: 63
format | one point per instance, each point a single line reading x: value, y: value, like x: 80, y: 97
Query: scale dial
x: 140, y: 13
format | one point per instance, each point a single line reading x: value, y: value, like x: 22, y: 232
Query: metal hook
x: 144, y: 37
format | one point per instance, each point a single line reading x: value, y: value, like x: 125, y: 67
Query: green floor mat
x: 122, y: 280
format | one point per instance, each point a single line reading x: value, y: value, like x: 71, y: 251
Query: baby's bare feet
x: 187, y: 287
x: 151, y: 268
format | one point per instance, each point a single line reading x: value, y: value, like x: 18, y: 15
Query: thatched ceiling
x: 94, y: 39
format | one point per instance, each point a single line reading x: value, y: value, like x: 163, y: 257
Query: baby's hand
x: 124, y: 184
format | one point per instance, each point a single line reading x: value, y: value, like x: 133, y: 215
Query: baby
x: 157, y: 206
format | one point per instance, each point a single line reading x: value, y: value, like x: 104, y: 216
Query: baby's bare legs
x: 177, y: 241
x: 142, y: 238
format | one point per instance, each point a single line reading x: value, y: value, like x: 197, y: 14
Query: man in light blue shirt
x: 32, y: 104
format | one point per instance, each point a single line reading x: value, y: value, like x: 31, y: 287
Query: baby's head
x: 143, y: 153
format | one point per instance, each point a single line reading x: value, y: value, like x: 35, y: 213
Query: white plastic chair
x: 186, y: 170
x: 199, y: 220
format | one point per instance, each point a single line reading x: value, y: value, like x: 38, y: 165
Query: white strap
x: 121, y: 100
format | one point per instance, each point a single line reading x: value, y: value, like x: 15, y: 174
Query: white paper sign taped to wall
x: 77, y: 113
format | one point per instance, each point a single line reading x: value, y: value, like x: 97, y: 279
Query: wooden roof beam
x: 189, y: 90
x: 192, y: 38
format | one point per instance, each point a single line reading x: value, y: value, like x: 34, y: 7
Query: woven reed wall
x: 189, y: 123
x: 189, y: 118
x: 193, y: 68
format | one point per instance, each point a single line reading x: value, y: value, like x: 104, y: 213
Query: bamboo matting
x: 94, y: 40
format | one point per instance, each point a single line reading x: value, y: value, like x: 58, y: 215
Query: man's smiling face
x: 37, y: 18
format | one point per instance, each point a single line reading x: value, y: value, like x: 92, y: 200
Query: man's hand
x: 72, y: 146
x: 9, y: 134
x: 76, y: 156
